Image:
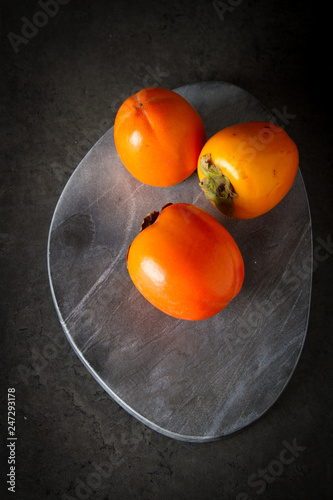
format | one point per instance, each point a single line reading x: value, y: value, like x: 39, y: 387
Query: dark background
x: 60, y: 93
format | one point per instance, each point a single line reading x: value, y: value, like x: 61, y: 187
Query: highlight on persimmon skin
x: 158, y: 136
x: 246, y: 169
x: 185, y: 263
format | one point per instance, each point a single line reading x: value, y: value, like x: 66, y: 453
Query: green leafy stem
x: 217, y: 187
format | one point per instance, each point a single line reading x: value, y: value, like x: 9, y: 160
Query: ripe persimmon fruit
x: 158, y: 136
x: 185, y: 262
x: 247, y: 169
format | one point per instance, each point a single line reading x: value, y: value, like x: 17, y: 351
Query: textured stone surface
x: 195, y: 381
x: 60, y: 94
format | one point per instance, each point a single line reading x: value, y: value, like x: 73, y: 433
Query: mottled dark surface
x: 62, y: 85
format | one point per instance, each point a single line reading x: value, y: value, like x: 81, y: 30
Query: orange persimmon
x: 158, y: 136
x: 246, y: 169
x: 185, y: 262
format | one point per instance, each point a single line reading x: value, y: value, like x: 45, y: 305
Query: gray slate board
x: 193, y: 381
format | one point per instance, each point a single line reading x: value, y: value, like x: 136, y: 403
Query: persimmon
x: 247, y: 169
x: 185, y: 262
x: 158, y: 136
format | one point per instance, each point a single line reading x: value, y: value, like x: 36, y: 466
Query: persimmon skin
x: 158, y: 136
x: 186, y: 263
x: 259, y: 159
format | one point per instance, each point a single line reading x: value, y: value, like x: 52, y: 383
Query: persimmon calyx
x: 151, y: 217
x: 148, y: 220
x: 217, y: 187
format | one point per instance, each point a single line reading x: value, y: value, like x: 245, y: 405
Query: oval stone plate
x: 193, y: 381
